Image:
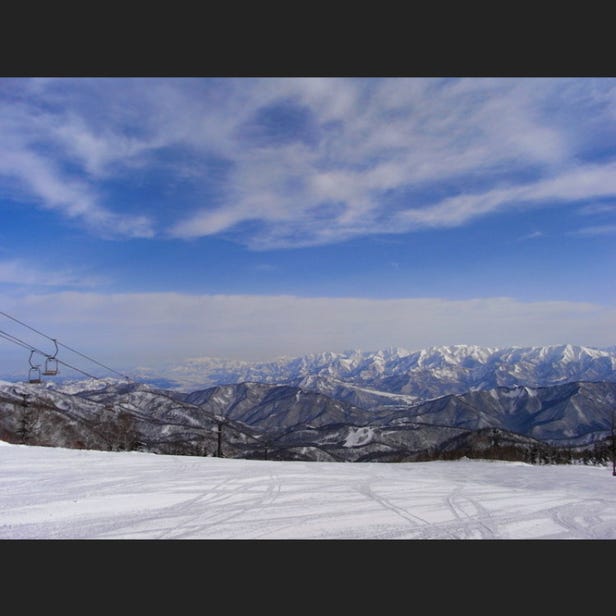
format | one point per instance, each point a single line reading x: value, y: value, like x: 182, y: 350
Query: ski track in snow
x: 52, y: 493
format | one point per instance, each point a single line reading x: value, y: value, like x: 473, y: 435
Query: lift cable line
x: 57, y: 343
x: 33, y: 350
x: 10, y: 338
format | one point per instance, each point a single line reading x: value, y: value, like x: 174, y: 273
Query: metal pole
x: 219, y: 452
x: 613, y: 445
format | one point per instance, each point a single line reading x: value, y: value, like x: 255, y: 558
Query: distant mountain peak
x: 421, y: 374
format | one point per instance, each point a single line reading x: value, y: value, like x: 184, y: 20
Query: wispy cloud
x: 291, y: 162
x: 598, y: 208
x: 265, y: 267
x: 570, y: 185
x: 533, y: 235
x: 21, y: 273
x: 596, y: 230
x: 39, y: 182
x: 35, y: 164
x: 392, y: 136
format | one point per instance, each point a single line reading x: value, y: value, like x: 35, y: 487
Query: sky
x: 148, y: 220
x: 55, y: 493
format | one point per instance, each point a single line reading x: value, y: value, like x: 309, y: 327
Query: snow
x: 358, y: 436
x: 53, y: 493
x: 457, y: 364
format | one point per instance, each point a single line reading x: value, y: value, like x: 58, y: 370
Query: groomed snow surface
x: 53, y: 493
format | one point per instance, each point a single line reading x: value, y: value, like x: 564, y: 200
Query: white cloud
x: 598, y: 208
x: 533, y: 235
x: 154, y: 328
x: 19, y: 272
x: 583, y: 182
x: 38, y: 180
x: 368, y: 139
x: 596, y: 230
x: 404, y: 134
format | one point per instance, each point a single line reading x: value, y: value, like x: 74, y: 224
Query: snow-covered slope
x: 275, y: 407
x: 291, y: 423
x: 568, y: 414
x: 389, y: 405
x: 130, y: 495
x: 119, y: 416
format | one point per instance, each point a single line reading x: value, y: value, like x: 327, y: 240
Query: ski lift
x: 34, y: 374
x: 51, y: 363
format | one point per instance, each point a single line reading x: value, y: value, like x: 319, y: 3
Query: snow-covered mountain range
x: 387, y: 405
x: 396, y: 376
x: 247, y: 420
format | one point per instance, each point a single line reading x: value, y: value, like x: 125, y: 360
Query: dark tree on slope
x: 118, y: 428
x: 26, y: 424
x: 127, y: 431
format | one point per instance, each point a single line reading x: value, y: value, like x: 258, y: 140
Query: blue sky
x: 429, y: 211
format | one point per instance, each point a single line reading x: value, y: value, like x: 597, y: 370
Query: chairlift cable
x: 124, y: 376
x: 8, y: 316
x: 57, y: 343
x: 33, y: 349
x: 11, y: 339
x: 78, y: 369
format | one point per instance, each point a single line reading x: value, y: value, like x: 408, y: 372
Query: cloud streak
x: 274, y: 163
x: 33, y: 169
x: 596, y: 230
x: 394, y: 137
x: 19, y: 272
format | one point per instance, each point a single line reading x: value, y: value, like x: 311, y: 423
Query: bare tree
x: 25, y: 428
x: 118, y: 428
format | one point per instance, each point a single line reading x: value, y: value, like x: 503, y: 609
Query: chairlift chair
x: 34, y: 374
x: 51, y: 367
x: 51, y: 363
